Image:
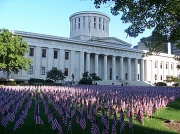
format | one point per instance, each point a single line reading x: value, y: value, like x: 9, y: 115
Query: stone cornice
x: 75, y: 41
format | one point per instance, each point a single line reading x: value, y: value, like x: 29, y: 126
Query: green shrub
x: 161, y: 84
x: 35, y: 80
x: 49, y: 81
x: 85, y: 81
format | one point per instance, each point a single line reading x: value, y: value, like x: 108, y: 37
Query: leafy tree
x: 55, y: 74
x: 95, y: 77
x: 86, y: 78
x: 12, y: 51
x: 162, y: 16
x: 170, y: 78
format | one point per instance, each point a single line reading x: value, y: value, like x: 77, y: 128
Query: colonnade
x: 104, y: 65
x: 121, y: 67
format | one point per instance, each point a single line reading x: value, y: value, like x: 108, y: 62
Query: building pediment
x: 111, y: 40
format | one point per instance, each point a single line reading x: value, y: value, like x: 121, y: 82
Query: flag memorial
x: 19, y: 122
x: 122, y: 122
x: 5, y: 119
x: 84, y: 104
x: 82, y: 121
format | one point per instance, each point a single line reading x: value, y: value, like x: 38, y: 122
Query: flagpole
x: 90, y: 24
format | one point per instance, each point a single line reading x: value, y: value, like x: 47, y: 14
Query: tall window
x: 155, y: 77
x: 30, y: 71
x: 161, y: 65
x: 99, y: 23
x: 171, y: 66
x: 44, y: 53
x: 66, y: 55
x: 31, y: 51
x: 79, y: 23
x: 66, y: 72
x: 72, y: 24
x: 155, y: 64
x: 84, y: 22
x: 55, y: 54
x: 75, y: 24
x: 106, y: 25
x: 166, y: 66
x: 161, y: 77
x: 43, y: 71
x: 103, y: 23
x: 94, y: 22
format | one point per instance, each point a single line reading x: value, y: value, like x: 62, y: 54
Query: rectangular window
x: 155, y: 64
x: 55, y: 54
x: 66, y: 55
x: 66, y: 72
x: 30, y: 71
x: 161, y: 65
x: 44, y: 53
x: 155, y: 77
x: 166, y: 66
x: 94, y: 22
x: 84, y: 22
x: 43, y: 71
x: 106, y: 25
x: 171, y: 66
x: 161, y: 77
x: 74, y: 24
x: 103, y: 23
x: 126, y: 76
x: 99, y: 23
x: 79, y: 23
x: 31, y: 51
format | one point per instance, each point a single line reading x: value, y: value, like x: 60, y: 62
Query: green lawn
x: 153, y: 125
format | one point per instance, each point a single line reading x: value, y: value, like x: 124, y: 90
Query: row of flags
x: 65, y: 105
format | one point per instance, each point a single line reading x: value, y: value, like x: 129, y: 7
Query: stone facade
x: 110, y: 58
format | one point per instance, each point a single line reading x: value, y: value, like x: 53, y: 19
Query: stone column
x: 152, y: 72
x: 164, y: 70
x: 50, y: 57
x: 158, y: 67
x: 96, y: 64
x: 136, y: 70
x: 105, y: 67
x: 174, y: 69
x: 145, y: 70
x: 62, y: 58
x: 72, y: 62
x: 37, y: 68
x: 142, y: 70
x: 81, y: 67
x: 129, y: 69
x: 113, y: 68
x: 88, y: 62
x: 121, y: 69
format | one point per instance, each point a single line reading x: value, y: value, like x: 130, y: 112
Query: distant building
x: 175, y: 50
x: 141, y: 46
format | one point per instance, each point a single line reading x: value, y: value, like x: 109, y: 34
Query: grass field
x: 152, y: 125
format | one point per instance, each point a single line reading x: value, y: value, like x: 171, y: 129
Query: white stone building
x: 90, y: 48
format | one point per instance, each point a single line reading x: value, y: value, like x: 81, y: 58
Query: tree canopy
x: 55, y: 74
x: 162, y: 16
x: 12, y: 52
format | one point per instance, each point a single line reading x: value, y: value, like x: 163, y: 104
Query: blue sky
x: 52, y: 17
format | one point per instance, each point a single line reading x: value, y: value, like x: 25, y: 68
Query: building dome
x: 87, y: 24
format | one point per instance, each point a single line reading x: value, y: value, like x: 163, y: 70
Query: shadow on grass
x: 45, y: 129
x: 175, y: 104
